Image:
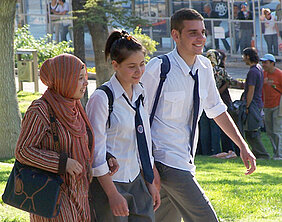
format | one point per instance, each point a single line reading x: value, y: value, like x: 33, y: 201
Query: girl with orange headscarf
x: 66, y: 78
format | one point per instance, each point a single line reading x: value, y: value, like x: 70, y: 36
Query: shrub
x: 146, y: 41
x: 46, y: 47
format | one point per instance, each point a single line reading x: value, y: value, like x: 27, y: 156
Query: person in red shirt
x: 272, y: 89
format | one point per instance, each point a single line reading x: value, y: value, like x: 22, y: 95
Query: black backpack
x: 165, y: 67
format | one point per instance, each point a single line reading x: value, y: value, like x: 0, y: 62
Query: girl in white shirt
x: 125, y: 196
x: 271, y: 33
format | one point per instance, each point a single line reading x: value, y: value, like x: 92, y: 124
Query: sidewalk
x: 29, y: 87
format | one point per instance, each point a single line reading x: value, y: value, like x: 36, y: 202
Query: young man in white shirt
x: 171, y: 129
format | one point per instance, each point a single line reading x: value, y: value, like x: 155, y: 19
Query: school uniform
x: 120, y: 140
x: 171, y: 130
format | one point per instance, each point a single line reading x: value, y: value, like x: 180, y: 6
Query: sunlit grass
x: 25, y: 99
x: 7, y: 213
x: 235, y: 196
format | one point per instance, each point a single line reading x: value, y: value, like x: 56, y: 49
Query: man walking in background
x: 246, y: 28
x: 254, y: 103
x: 272, y: 89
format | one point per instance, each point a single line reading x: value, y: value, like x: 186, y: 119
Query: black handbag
x: 34, y: 190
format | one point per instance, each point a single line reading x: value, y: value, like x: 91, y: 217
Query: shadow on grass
x: 201, y: 161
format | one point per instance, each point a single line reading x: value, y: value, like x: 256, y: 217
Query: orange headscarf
x: 61, y: 75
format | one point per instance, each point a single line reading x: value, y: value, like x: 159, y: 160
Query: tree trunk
x: 99, y: 34
x: 9, y: 111
x: 78, y: 39
x: 78, y: 31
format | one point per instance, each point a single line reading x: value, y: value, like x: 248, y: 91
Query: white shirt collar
x: 118, y: 89
x: 183, y: 65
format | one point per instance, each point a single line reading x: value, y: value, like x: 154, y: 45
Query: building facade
x: 224, y: 30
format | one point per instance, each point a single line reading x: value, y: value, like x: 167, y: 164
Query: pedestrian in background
x: 223, y: 80
x: 246, y: 28
x: 253, y: 103
x: 278, y: 13
x: 272, y: 90
x: 63, y: 10
x: 271, y: 32
x: 210, y: 13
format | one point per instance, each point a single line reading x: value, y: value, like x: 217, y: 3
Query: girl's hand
x: 118, y: 204
x: 155, y: 195
x: 73, y: 167
x: 113, y: 165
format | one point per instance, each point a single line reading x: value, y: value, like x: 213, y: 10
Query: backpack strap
x: 110, y: 96
x: 165, y: 67
x: 142, y: 97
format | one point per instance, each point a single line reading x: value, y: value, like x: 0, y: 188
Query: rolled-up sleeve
x: 97, y: 111
x: 213, y: 105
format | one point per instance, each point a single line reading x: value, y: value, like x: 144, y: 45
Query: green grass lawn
x: 25, y: 99
x: 235, y: 196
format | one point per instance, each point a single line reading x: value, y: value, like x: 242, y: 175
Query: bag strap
x: 110, y: 96
x: 53, y: 125
x: 165, y: 67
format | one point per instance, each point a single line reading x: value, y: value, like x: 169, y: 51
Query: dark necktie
x: 196, y: 103
x: 142, y: 143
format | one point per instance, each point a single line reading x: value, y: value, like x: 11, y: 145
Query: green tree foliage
x: 146, y: 41
x: 46, y: 48
x: 110, y: 13
x: 100, y: 17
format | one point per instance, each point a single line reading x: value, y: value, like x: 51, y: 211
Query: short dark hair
x: 120, y: 44
x: 252, y: 53
x: 176, y: 21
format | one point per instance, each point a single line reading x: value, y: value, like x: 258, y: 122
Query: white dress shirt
x: 172, y: 123
x: 120, y: 139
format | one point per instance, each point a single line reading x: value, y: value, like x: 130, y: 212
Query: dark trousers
x: 258, y: 149
x: 272, y: 43
x: 246, y: 38
x: 182, y: 196
x: 139, y: 200
x: 227, y: 144
x: 209, y: 136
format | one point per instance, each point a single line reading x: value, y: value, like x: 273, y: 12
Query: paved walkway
x: 29, y: 87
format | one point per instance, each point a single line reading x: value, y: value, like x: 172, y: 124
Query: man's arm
x: 226, y: 123
x: 250, y: 95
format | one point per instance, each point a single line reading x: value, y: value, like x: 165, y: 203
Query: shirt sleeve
x: 150, y: 80
x: 97, y: 111
x: 213, y: 104
x: 29, y: 149
x: 252, y: 78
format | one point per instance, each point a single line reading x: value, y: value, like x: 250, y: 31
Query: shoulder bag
x: 34, y: 190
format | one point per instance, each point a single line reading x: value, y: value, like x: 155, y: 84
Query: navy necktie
x: 142, y: 143
x: 196, y: 103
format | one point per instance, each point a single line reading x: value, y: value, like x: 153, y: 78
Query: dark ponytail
x: 120, y: 45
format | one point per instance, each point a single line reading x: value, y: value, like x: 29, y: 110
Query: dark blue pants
x: 209, y: 136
